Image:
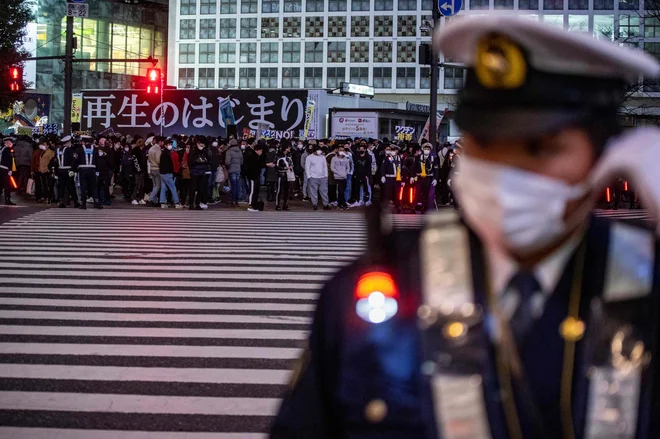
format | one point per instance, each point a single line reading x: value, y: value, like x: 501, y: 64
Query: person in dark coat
x: 253, y: 162
x: 200, y: 170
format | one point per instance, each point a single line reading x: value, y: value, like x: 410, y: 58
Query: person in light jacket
x: 340, y: 166
x: 316, y: 170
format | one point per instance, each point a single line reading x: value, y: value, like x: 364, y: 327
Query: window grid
x: 228, y: 7
x: 268, y: 77
x: 454, y: 78
x: 206, y: 78
x: 382, y: 77
x: 207, y: 53
x: 651, y: 27
x: 382, y: 51
x: 249, y: 27
x: 360, y: 75
x: 628, y: 26
x: 207, y: 7
x: 383, y: 26
x: 292, y: 6
x: 188, y: 7
x: 315, y: 5
x: 360, y: 5
x: 270, y: 52
x: 313, y: 77
x: 479, y: 4
x: 314, y: 27
x: 407, y: 25
x: 405, y: 77
x: 248, y: 53
x: 335, y: 76
x: 528, y: 5
x: 226, y: 77
x: 383, y: 5
x: 291, y: 27
x: 291, y: 52
x: 313, y: 51
x: 406, y: 51
x: 207, y: 29
x: 249, y: 6
x: 336, y: 51
x: 578, y: 5
x: 291, y: 77
x: 227, y: 28
x: 248, y: 77
x: 270, y: 6
x: 359, y: 51
x: 603, y: 5
x: 187, y: 53
x: 270, y: 27
x: 227, y: 53
x: 407, y: 5
x: 187, y: 29
x: 336, y: 5
x: 360, y: 26
x: 186, y: 78
x: 336, y: 27
x: 503, y: 4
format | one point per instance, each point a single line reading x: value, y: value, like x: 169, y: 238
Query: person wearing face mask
x: 45, y: 174
x: 388, y: 172
x: 523, y: 316
x: 316, y: 169
x: 167, y: 168
x: 66, y: 167
x: 426, y: 173
x: 340, y: 166
x: 303, y: 160
x: 284, y: 166
x: 88, y: 159
x: 234, y: 162
x: 126, y: 171
x: 199, y: 172
x: 254, y: 163
x: 361, y: 176
x: 444, y: 167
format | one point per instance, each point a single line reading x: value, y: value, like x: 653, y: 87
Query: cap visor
x: 515, y: 123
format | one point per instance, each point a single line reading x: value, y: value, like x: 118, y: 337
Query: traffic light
x: 15, y: 78
x: 153, y: 81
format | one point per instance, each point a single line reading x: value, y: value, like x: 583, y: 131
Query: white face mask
x: 514, y: 209
x: 126, y: 149
x: 169, y: 147
x: 427, y: 151
x: 319, y: 152
x: 42, y: 147
x: 342, y: 154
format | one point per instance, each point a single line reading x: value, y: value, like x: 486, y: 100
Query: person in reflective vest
x: 6, y: 168
x: 522, y: 316
x: 426, y: 171
x: 88, y: 156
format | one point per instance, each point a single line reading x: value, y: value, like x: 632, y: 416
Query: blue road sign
x: 449, y: 8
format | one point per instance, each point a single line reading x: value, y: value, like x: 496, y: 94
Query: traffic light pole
x: 433, y: 104
x: 68, y: 76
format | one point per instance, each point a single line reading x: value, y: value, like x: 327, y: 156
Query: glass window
x: 188, y: 7
x: 248, y: 77
x: 314, y: 51
x: 227, y: 53
x: 206, y: 78
x: 186, y: 53
x: 290, y: 77
x: 336, y: 5
x: 292, y: 6
x: 407, y: 5
x: 604, y: 27
x: 208, y: 7
x: 405, y: 77
x: 383, y: 5
x: 503, y: 4
x: 186, y: 29
x: 359, y: 51
x: 186, y: 78
x: 291, y: 27
x: 270, y: 6
x: 479, y: 4
x: 269, y: 52
x: 383, y: 26
x: 651, y: 27
x: 315, y: 5
x: 551, y: 5
x: 454, y: 78
x: 335, y: 76
x: 226, y: 77
x: 407, y: 25
x: 249, y: 27
x: 337, y: 51
x: 628, y: 5
x: 228, y: 6
x: 528, y: 5
x: 207, y: 29
x: 249, y: 6
x: 291, y: 52
x: 360, y: 26
x: 360, y: 5
x: 313, y: 77
x: 207, y: 53
x: 603, y: 5
x: 314, y: 27
x: 427, y: 5
x: 578, y: 5
x: 360, y: 75
x: 628, y: 26
x: 555, y: 20
x: 270, y: 27
x: 336, y: 27
x: 382, y: 51
x: 406, y: 51
x: 578, y: 23
x: 383, y: 77
x: 425, y: 78
x: 227, y: 28
x: 248, y: 53
x: 268, y: 77
x: 654, y: 50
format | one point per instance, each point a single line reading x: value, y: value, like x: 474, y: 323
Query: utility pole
x: 433, y: 127
x: 68, y: 75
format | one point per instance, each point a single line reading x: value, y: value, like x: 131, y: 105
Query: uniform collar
x: 548, y: 272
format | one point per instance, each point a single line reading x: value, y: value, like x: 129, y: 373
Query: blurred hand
x: 434, y: 182
x: 412, y: 180
x: 382, y: 180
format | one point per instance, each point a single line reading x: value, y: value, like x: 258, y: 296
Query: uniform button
x: 375, y: 411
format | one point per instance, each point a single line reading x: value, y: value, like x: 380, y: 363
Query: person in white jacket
x: 340, y: 165
x: 316, y: 171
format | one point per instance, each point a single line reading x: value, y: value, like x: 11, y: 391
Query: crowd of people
x: 195, y: 171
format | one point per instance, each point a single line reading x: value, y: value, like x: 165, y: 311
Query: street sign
x: 77, y: 10
x: 449, y: 8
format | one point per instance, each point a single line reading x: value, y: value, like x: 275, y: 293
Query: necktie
x: 524, y: 283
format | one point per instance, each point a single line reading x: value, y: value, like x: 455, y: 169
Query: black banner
x: 192, y: 111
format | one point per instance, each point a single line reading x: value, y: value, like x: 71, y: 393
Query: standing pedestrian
x: 361, y: 177
x: 253, y: 167
x: 214, y: 164
x: 234, y: 161
x: 388, y: 172
x: 316, y: 169
x: 285, y: 171
x: 166, y: 170
x: 6, y: 165
x: 140, y: 167
x: 271, y: 172
x: 22, y: 158
x: 66, y: 167
x: 127, y: 172
x: 303, y: 160
x: 45, y: 167
x: 88, y: 156
x: 153, y: 161
x: 184, y: 186
x: 199, y: 172
x: 332, y: 183
x: 340, y: 167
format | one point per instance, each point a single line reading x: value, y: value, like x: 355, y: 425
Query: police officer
x: 526, y: 318
x: 427, y: 175
x: 88, y: 157
x: 6, y: 166
x: 388, y: 172
x: 66, y: 168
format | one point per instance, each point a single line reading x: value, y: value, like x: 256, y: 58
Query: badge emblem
x: 500, y: 63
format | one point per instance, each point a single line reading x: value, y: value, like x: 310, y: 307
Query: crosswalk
x: 139, y: 324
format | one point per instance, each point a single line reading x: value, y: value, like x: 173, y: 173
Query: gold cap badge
x: 500, y: 63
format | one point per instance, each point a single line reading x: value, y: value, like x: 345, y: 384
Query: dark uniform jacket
x: 5, y: 158
x: 351, y: 363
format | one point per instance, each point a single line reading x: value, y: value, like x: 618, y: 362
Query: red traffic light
x: 153, y: 78
x: 15, y: 73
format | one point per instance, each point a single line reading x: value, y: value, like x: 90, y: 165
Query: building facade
x: 319, y: 43
x: 115, y: 30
